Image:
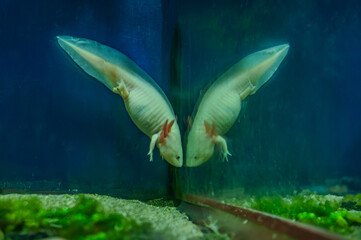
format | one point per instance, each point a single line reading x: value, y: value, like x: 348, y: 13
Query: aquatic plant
x: 352, y: 202
x: 86, y: 220
x: 335, y: 213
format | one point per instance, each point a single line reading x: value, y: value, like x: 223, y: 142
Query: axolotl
x: 145, y: 102
x: 221, y: 104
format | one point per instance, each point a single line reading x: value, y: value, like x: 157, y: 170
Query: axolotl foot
x: 212, y: 133
x: 222, y: 142
x: 153, y: 141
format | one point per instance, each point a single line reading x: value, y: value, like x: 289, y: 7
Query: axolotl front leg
x: 217, y: 139
x: 160, y: 137
x: 222, y: 142
x: 153, y: 141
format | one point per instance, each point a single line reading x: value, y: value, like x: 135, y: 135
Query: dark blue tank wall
x: 304, y: 125
x: 56, y: 122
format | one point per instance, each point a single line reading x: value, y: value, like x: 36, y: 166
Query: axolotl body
x: 145, y: 102
x: 221, y: 104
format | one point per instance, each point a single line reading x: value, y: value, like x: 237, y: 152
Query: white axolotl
x: 145, y: 102
x: 221, y: 104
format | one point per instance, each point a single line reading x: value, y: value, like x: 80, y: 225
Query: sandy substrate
x: 168, y: 222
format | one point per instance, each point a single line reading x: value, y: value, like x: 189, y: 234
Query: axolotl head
x: 170, y: 144
x: 200, y: 146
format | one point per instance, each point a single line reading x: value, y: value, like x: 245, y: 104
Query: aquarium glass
x: 293, y: 134
x: 301, y: 129
x: 60, y: 129
x: 256, y: 104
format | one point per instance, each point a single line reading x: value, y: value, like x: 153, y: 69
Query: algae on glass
x: 341, y: 214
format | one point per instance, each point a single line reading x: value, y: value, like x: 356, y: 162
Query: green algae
x: 85, y: 220
x: 335, y: 213
x: 161, y: 202
x: 90, y: 217
x: 352, y: 202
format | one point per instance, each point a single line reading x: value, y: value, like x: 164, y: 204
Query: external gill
x: 160, y: 137
x: 165, y: 131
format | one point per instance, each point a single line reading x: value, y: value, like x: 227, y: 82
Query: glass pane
x: 297, y: 138
x: 61, y: 129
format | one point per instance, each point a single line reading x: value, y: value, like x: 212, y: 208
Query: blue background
x: 57, y: 123
x: 60, y: 125
x: 304, y: 126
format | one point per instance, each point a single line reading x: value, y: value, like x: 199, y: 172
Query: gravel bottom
x: 167, y: 221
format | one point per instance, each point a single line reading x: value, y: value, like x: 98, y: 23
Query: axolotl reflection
x: 221, y: 104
